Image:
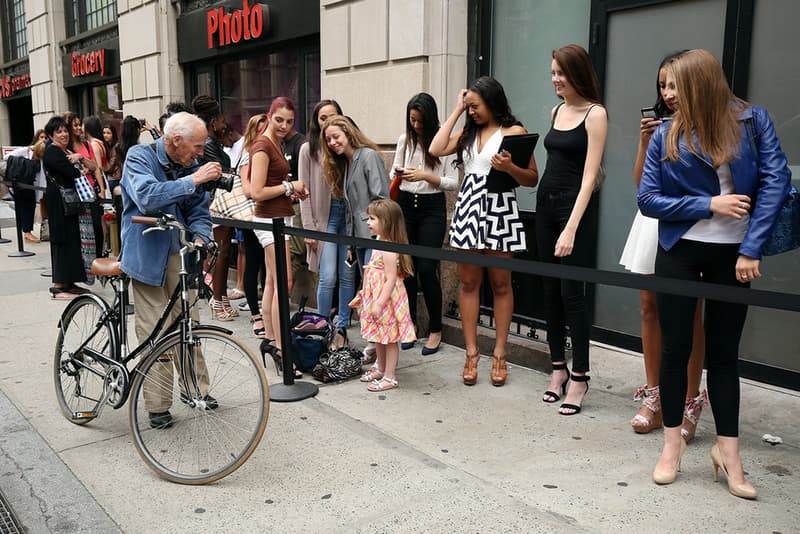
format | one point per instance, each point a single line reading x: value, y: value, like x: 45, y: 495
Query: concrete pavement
x: 431, y: 456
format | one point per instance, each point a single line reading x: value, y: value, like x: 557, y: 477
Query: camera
x: 225, y: 182
x: 142, y: 123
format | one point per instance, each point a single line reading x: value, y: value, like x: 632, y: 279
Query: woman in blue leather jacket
x: 716, y: 190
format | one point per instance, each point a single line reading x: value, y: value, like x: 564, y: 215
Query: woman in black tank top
x: 574, y: 146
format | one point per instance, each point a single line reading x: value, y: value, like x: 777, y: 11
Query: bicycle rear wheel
x: 213, y: 427
x: 79, y: 379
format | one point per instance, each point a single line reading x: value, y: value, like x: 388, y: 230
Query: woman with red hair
x: 273, y: 192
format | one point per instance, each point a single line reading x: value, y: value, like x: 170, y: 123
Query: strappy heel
x: 650, y: 416
x: 219, y: 311
x: 226, y: 303
x: 575, y: 407
x: 691, y: 416
x: 470, y: 373
x: 259, y: 331
x: 342, y: 332
x: 277, y: 357
x: 499, y: 370
x: 555, y: 397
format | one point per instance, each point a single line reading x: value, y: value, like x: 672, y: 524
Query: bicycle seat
x: 106, y: 267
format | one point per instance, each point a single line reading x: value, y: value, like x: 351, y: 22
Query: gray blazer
x: 367, y: 181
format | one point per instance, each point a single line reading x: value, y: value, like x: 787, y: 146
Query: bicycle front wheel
x: 198, y: 430
x: 84, y: 329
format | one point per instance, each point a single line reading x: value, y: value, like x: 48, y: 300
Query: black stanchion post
x: 21, y: 252
x: 290, y: 390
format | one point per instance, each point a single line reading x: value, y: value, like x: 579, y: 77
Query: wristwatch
x: 289, y: 188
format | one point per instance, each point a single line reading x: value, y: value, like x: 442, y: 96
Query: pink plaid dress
x: 394, y: 324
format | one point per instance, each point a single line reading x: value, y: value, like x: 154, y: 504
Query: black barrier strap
x: 659, y: 284
x: 17, y: 185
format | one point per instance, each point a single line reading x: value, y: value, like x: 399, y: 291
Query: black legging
x: 724, y: 321
x: 253, y: 265
x: 426, y: 223
x: 565, y: 300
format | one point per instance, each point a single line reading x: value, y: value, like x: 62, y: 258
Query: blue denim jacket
x: 146, y: 190
x: 679, y: 193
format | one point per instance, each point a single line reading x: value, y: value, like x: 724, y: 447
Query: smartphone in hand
x: 650, y: 113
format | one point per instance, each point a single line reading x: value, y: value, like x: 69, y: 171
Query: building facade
x: 114, y: 58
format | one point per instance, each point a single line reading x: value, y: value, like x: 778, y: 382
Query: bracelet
x: 288, y: 187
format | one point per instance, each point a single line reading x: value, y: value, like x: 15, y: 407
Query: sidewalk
x: 430, y: 456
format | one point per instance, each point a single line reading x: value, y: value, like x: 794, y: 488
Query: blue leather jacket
x: 679, y: 193
x: 147, y: 191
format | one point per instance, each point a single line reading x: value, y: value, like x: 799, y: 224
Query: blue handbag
x: 786, y: 232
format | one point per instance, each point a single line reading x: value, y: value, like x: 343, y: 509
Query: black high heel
x: 555, y: 397
x: 343, y: 333
x: 277, y: 357
x: 576, y: 407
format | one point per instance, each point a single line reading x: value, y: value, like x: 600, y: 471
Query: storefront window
x: 107, y: 104
x: 15, y: 43
x: 249, y: 85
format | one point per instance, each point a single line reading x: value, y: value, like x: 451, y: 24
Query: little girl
x: 383, y: 301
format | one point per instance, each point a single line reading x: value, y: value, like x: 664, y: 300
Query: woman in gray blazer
x: 355, y: 172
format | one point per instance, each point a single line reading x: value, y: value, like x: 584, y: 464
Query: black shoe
x: 160, y: 419
x: 409, y: 345
x: 211, y: 402
x: 342, y: 333
x: 427, y: 352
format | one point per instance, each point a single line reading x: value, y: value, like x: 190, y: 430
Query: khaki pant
x: 149, y: 302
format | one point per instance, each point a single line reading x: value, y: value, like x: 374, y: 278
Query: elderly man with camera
x: 164, y: 177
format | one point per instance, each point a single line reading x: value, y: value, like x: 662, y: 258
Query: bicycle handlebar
x: 168, y: 222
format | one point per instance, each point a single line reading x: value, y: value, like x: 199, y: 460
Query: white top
x: 412, y: 159
x: 235, y: 151
x: 720, y: 228
x: 480, y: 163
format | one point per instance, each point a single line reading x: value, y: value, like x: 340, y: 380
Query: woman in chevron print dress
x: 485, y: 221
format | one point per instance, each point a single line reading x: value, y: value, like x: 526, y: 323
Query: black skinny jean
x: 565, y: 301
x: 707, y: 262
x: 426, y: 223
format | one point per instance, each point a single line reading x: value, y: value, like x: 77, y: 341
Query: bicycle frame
x: 115, y: 316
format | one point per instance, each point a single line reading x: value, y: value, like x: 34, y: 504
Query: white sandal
x: 372, y: 375
x: 383, y: 384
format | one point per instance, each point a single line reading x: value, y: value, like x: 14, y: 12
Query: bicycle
x: 219, y: 404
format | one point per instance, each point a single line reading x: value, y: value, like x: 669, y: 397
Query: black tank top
x: 566, y: 156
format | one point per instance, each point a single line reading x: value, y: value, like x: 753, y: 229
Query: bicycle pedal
x: 84, y: 415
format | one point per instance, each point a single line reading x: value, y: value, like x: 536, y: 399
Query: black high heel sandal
x: 277, y: 357
x: 576, y: 407
x: 555, y: 397
x: 343, y: 333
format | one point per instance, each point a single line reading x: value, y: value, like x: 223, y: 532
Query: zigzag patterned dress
x: 484, y: 220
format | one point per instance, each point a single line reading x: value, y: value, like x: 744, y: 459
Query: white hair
x: 183, y: 124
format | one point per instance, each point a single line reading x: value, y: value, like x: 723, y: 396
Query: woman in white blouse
x: 424, y: 180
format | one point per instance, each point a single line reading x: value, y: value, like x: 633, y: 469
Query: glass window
x: 523, y: 38
x: 248, y: 86
x: 630, y: 85
x: 87, y: 15
x: 15, y: 42
x: 106, y: 104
